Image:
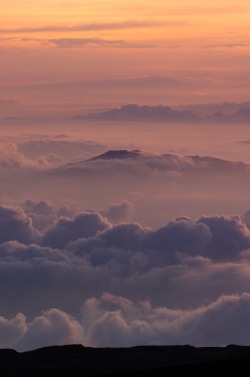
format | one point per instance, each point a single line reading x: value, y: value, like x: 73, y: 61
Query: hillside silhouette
x: 76, y: 360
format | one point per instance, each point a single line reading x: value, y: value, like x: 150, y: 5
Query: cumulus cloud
x: 182, y: 235
x: 41, y: 213
x: 53, y: 327
x: 41, y: 207
x: 215, y: 237
x: 118, y: 212
x: 15, y: 225
x: 11, y: 158
x: 14, y: 159
x: 115, y: 321
x: 66, y: 230
x: 229, y: 236
x: 11, y: 330
x: 184, y: 282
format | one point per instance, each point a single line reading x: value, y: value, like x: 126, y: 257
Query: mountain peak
x: 120, y: 154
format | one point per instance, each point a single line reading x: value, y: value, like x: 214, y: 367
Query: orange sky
x: 63, y: 40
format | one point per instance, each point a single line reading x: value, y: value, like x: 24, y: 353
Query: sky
x: 51, y: 41
x: 124, y: 173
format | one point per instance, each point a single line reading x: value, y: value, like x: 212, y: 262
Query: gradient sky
x: 126, y: 247
x: 70, y: 40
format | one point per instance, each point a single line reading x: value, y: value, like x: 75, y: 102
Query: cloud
x: 182, y: 235
x: 119, y: 322
x: 225, y: 45
x: 66, y: 230
x: 230, y: 236
x: 90, y: 27
x: 42, y: 213
x: 10, y: 157
x: 15, y: 225
x: 146, y: 113
x: 83, y: 42
x: 11, y: 330
x: 139, y: 164
x: 53, y: 327
x: 184, y: 282
x: 64, y: 150
x: 41, y: 207
x: 118, y: 212
x: 115, y: 321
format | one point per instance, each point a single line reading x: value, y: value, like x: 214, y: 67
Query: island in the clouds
x: 165, y: 162
x: 76, y: 360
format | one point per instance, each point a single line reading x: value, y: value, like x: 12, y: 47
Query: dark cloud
x: 65, y: 230
x: 124, y: 236
x: 133, y: 112
x: 225, y: 112
x: 215, y: 237
x: 185, y: 282
x: 181, y: 235
x: 230, y: 236
x: 15, y: 225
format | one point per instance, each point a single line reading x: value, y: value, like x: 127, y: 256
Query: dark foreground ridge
x: 76, y: 360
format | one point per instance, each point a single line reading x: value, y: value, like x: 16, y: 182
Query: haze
x: 125, y: 172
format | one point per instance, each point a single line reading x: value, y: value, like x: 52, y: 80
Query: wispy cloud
x: 226, y: 45
x: 84, y: 42
x: 90, y: 27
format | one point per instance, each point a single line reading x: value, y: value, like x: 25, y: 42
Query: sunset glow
x: 124, y: 173
x: 127, y: 38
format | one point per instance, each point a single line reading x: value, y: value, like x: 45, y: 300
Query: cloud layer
x: 81, y: 278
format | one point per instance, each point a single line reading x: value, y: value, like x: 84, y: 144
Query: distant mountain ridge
x: 188, y: 113
x: 76, y: 360
x: 120, y: 154
x: 137, y: 159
